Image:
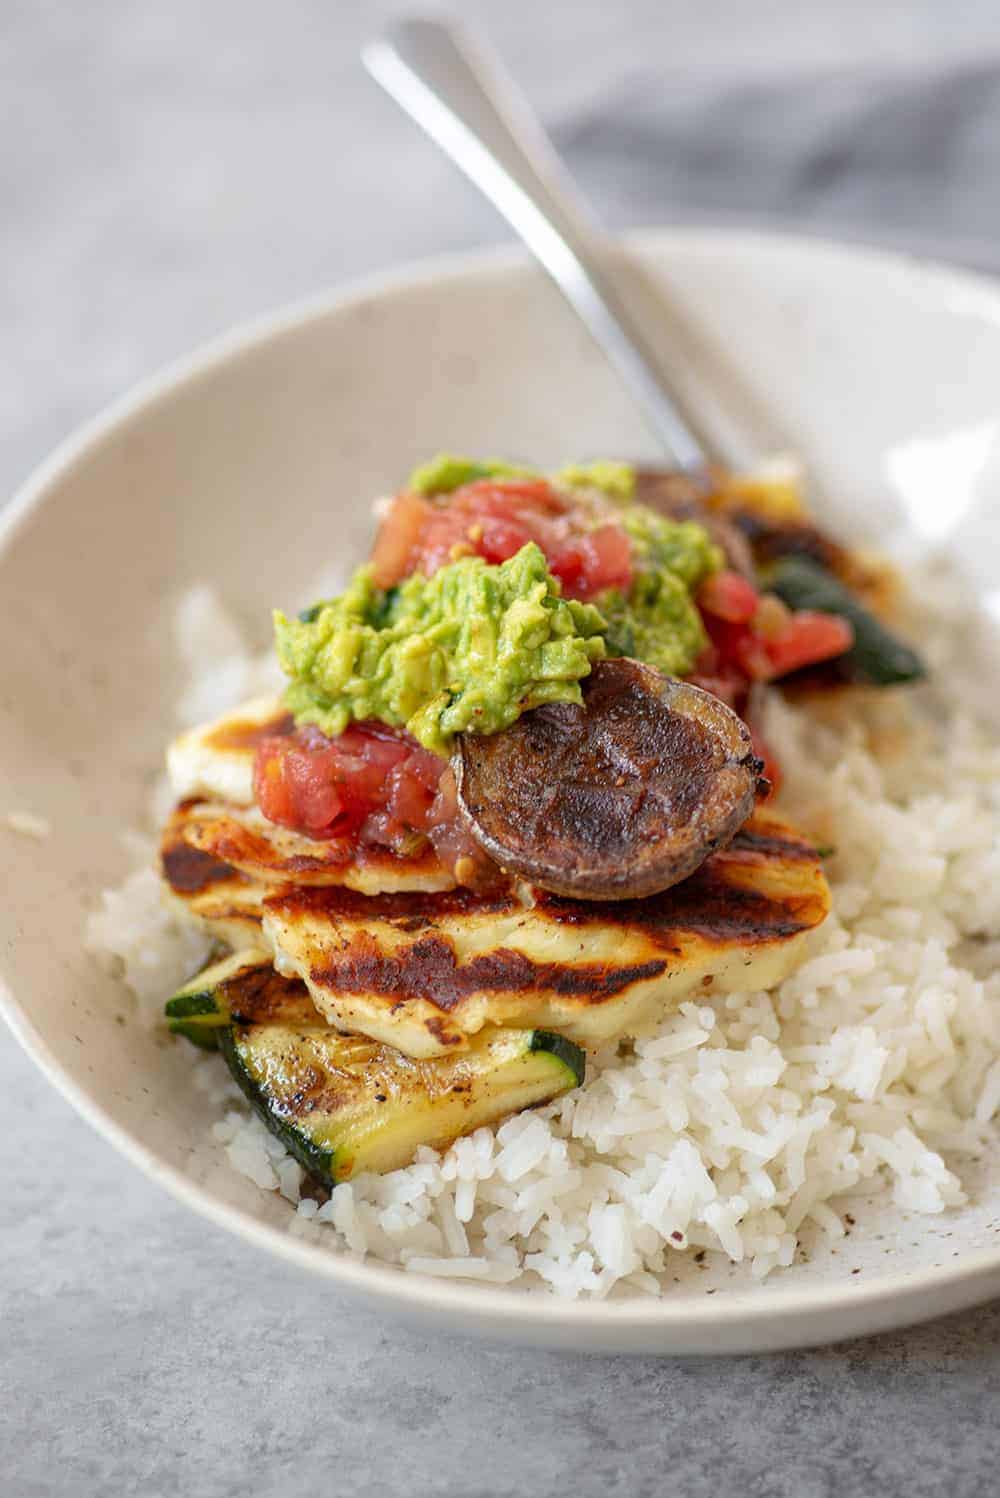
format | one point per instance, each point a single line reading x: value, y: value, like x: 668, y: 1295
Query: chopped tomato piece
x: 537, y: 493
x: 325, y: 788
x: 494, y: 519
x: 500, y: 539
x: 291, y: 792
x: 593, y: 561
x: 727, y: 595
x: 371, y: 786
x: 397, y: 538
x: 453, y: 842
x: 566, y: 563
x: 803, y: 639
x: 737, y: 650
x: 752, y: 657
x: 755, y: 638
x: 408, y: 799
x: 425, y: 767
x: 808, y: 639
x: 607, y: 561
x: 446, y: 535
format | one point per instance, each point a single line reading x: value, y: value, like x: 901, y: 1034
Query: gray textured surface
x: 166, y: 171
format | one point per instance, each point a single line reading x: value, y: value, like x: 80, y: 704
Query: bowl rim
x: 526, y: 1315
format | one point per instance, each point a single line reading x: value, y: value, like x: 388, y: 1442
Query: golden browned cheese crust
x: 244, y: 839
x: 213, y: 894
x: 425, y: 972
x: 242, y: 735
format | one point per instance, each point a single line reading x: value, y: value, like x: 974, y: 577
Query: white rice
x: 738, y: 1122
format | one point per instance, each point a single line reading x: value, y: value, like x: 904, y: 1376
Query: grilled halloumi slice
x: 211, y: 773
x: 243, y: 838
x: 425, y: 973
x: 225, y: 897
x: 225, y: 903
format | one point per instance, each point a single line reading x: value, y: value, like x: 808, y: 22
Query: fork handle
x: 459, y: 94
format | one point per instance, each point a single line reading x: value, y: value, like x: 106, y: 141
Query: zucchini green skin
x: 877, y: 656
x: 314, y: 1158
x: 201, y: 1008
x: 572, y: 1057
x: 342, y: 1105
x: 201, y: 1030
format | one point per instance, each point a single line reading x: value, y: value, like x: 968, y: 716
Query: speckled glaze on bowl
x: 254, y: 459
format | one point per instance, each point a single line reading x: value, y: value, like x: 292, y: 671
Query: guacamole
x: 470, y: 648
x: 448, y: 472
x: 681, y: 547
x: 656, y: 622
x: 616, y: 480
x: 476, y: 645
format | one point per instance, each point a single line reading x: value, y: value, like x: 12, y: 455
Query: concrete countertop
x: 171, y: 170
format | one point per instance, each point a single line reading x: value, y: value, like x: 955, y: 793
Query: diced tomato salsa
x: 329, y: 787
x: 370, y: 787
x: 493, y: 519
x: 753, y: 637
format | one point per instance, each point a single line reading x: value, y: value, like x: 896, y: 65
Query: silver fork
x: 457, y: 91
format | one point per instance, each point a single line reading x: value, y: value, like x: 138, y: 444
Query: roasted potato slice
x: 617, y: 799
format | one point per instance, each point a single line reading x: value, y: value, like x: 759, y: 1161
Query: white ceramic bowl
x: 252, y: 462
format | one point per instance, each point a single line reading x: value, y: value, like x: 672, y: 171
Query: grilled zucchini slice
x: 342, y: 1104
x: 203, y: 1007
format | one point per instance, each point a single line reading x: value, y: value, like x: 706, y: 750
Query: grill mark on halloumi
x: 246, y: 840
x: 409, y: 910
x: 228, y: 910
x: 425, y: 973
x: 188, y: 870
x: 429, y: 969
x: 721, y: 915
x: 236, y: 734
x: 212, y: 893
x: 759, y: 839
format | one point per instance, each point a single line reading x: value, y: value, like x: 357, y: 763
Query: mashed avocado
x: 680, y: 547
x: 616, y: 480
x: 476, y: 645
x: 448, y: 472
x: 471, y: 648
x: 657, y: 622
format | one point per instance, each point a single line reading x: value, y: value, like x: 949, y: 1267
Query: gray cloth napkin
x: 907, y: 156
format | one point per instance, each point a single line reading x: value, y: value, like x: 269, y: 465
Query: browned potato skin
x: 618, y: 799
